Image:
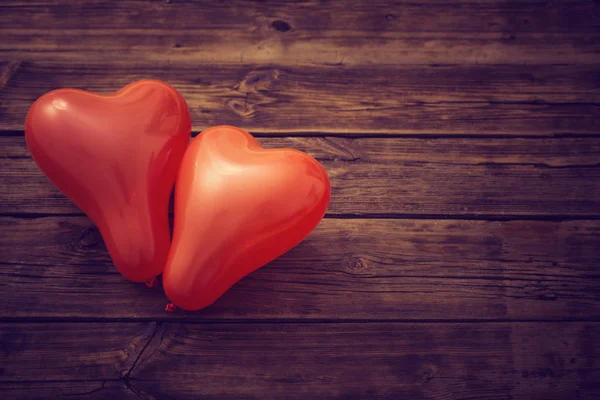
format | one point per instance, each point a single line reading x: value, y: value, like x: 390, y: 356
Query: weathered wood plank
x: 483, y: 100
x: 299, y: 361
x: 94, y: 390
x: 373, y: 361
x: 63, y: 352
x: 356, y: 269
x: 308, y: 32
x: 397, y: 176
x: 566, y: 16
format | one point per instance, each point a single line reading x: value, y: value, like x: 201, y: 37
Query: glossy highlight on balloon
x: 116, y: 157
x: 237, y: 207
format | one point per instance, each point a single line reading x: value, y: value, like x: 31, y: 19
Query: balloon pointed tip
x: 152, y: 282
x: 170, y: 307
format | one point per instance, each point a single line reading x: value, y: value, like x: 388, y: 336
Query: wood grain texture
x: 93, y: 390
x: 374, y: 361
x: 62, y: 352
x: 399, y: 177
x: 355, y: 16
x: 274, y: 99
x: 357, y: 269
x: 299, y: 361
x: 307, y: 32
x: 459, y: 258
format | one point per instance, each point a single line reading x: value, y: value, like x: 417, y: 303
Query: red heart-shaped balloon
x: 116, y: 157
x: 237, y: 207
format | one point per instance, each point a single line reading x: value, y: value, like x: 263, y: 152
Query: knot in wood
x: 89, y: 238
x: 357, y: 264
x: 260, y: 80
x: 426, y: 375
x: 255, y: 86
x: 241, y: 107
x: 280, y: 25
x: 509, y: 36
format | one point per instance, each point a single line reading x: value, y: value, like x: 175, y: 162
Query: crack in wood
x: 348, y: 153
x: 137, y: 391
x: 88, y: 392
x: 9, y: 71
x: 128, y: 379
x: 127, y: 374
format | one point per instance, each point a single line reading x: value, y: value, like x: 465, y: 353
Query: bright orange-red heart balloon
x: 116, y: 157
x: 237, y: 207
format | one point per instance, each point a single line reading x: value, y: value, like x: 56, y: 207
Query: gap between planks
x: 307, y: 134
x: 295, y: 321
x: 447, y: 217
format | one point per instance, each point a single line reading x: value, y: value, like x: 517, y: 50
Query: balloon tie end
x: 170, y: 307
x: 150, y: 283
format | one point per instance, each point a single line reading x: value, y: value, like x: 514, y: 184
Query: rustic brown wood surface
x: 85, y: 389
x: 344, y: 100
x: 398, y: 177
x: 379, y: 269
x: 299, y: 361
x: 353, y: 32
x: 459, y: 257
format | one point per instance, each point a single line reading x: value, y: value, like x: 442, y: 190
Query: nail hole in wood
x: 280, y: 25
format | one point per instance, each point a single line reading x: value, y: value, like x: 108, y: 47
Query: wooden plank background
x: 392, y: 269
x: 398, y: 177
x: 232, y: 361
x: 458, y: 259
x: 342, y: 100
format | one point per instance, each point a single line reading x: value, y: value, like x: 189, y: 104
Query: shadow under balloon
x: 292, y: 286
x: 287, y: 287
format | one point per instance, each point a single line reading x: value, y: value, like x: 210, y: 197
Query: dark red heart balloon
x: 116, y: 157
x: 237, y: 207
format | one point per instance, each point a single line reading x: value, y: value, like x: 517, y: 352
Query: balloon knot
x: 170, y: 307
x: 150, y: 283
